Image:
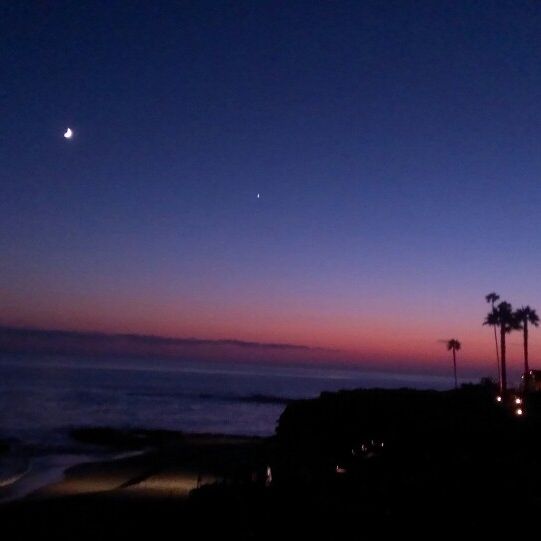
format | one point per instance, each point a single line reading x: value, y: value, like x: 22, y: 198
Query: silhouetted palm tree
x: 454, y: 345
x: 492, y: 298
x: 526, y: 315
x: 504, y: 317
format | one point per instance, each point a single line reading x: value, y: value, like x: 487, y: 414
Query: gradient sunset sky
x: 396, y: 148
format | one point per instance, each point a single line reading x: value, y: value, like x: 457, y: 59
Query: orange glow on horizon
x: 396, y: 341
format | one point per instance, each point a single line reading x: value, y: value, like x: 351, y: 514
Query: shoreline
x: 128, y: 462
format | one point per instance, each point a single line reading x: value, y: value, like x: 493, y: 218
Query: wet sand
x: 145, y: 491
x: 147, y: 465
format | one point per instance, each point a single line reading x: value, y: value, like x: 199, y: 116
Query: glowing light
x: 498, y: 399
x: 519, y: 411
x: 518, y: 401
x: 68, y: 134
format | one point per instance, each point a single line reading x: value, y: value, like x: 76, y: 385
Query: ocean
x: 42, y: 398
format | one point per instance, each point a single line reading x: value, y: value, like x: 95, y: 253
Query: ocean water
x: 41, y: 398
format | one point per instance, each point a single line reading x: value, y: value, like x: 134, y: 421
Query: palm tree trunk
x: 503, y: 383
x: 497, y: 352
x: 526, y: 367
x: 497, y: 357
x: 454, y: 366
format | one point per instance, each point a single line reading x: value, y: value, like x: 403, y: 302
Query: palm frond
x: 492, y: 297
x: 453, y: 344
x: 526, y: 314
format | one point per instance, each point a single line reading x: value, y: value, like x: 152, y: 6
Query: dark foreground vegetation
x: 345, y: 465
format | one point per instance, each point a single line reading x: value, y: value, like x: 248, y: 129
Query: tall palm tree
x: 492, y: 298
x: 454, y: 345
x: 526, y: 315
x: 503, y: 317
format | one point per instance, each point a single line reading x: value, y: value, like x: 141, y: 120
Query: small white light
x: 519, y: 411
x: 498, y: 399
x: 68, y: 134
x: 518, y: 401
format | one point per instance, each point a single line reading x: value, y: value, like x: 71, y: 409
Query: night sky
x: 396, y: 148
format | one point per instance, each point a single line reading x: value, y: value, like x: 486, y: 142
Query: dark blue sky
x: 395, y: 145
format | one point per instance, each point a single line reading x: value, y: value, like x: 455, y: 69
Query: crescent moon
x: 68, y: 134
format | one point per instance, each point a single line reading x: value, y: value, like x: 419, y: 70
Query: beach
x: 144, y: 490
x: 138, y: 463
x: 146, y: 485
